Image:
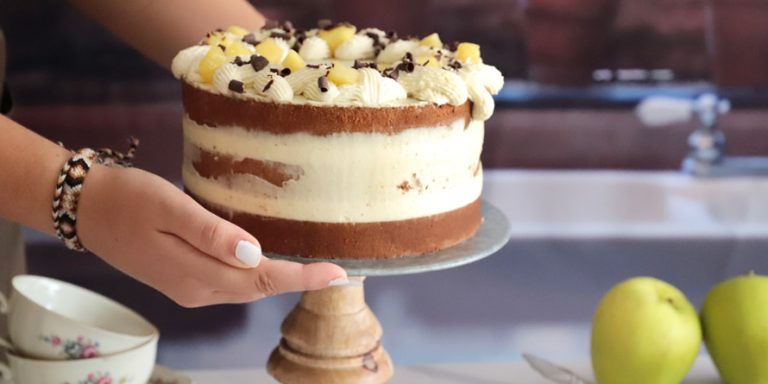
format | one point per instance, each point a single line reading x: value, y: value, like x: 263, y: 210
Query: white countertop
x: 703, y: 372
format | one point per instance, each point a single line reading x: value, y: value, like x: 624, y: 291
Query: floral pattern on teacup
x: 79, y: 348
x: 101, y: 378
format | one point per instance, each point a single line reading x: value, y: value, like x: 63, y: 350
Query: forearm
x: 159, y: 29
x: 29, y: 167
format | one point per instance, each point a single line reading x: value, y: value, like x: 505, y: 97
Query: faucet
x: 706, y: 145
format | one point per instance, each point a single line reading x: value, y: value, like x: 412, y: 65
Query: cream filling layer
x: 350, y: 177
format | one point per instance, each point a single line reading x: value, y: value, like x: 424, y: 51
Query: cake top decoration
x: 339, y: 65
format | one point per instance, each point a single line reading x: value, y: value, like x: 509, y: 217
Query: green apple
x: 645, y: 331
x: 735, y: 321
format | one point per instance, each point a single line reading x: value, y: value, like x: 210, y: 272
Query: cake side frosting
x: 339, y: 65
x: 346, y: 177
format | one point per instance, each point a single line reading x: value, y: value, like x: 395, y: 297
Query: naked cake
x: 337, y: 142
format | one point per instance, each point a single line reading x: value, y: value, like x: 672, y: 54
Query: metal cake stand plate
x: 333, y: 337
x: 494, y: 232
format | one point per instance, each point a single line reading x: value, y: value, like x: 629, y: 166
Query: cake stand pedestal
x: 333, y: 337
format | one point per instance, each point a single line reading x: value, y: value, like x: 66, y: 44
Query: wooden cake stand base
x: 333, y: 337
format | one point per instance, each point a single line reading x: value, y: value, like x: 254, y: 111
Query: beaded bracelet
x: 70, y: 183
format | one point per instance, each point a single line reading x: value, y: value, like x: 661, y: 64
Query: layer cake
x: 335, y: 142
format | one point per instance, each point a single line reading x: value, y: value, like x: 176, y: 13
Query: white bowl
x: 133, y: 366
x: 54, y: 320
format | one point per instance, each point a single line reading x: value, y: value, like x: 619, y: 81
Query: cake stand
x: 333, y: 337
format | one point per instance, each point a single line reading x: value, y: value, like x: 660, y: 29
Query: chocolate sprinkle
x: 364, y: 64
x: 392, y: 73
x: 375, y: 36
x: 406, y: 66
x: 240, y: 62
x: 322, y: 83
x: 285, y: 72
x: 236, y: 86
x: 258, y: 62
x: 313, y: 66
x: 250, y: 39
x: 269, y: 84
x: 274, y: 70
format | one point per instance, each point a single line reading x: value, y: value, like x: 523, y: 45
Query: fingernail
x: 344, y: 282
x: 248, y: 253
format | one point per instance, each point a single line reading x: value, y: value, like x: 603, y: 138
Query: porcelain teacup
x: 54, y: 320
x: 133, y: 366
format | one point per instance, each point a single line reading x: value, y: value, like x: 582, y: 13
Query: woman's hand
x: 149, y: 229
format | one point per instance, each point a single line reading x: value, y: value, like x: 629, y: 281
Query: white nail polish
x: 248, y: 253
x: 344, y: 282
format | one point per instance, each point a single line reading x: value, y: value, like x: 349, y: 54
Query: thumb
x: 219, y: 238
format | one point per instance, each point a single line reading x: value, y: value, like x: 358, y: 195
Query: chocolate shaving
x: 406, y: 66
x: 392, y: 73
x: 258, y: 62
x: 455, y: 64
x: 240, y: 62
x: 375, y: 37
x: 358, y: 64
x: 322, y: 83
x: 223, y: 48
x: 285, y: 72
x: 300, y: 37
x: 408, y: 56
x: 269, y: 85
x: 250, y: 39
x: 236, y: 86
x: 271, y: 24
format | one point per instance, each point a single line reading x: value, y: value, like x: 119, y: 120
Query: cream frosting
x: 439, y: 166
x: 314, y: 48
x: 372, y: 89
x: 299, y: 79
x: 358, y: 47
x: 224, y: 75
x: 313, y: 92
x: 396, y: 51
x: 434, y: 85
x: 454, y: 83
x: 184, y: 61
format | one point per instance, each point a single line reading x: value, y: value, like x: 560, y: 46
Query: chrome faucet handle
x: 657, y: 111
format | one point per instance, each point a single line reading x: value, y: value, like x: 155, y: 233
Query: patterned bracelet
x: 70, y: 183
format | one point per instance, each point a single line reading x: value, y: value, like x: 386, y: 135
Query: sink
x: 625, y: 204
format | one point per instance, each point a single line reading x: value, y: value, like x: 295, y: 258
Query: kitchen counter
x: 703, y: 372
